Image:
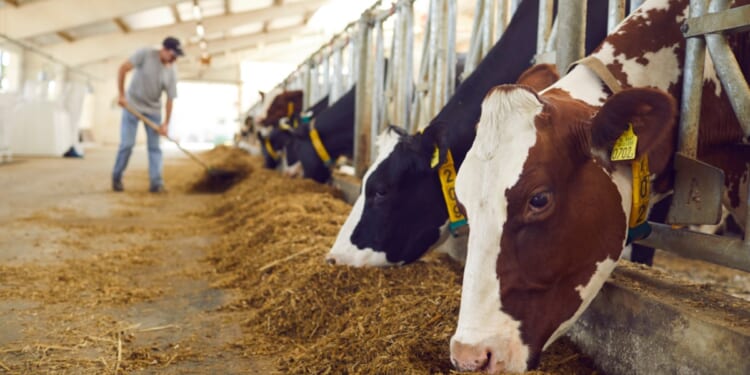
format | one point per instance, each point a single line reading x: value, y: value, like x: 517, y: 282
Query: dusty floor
x: 93, y: 281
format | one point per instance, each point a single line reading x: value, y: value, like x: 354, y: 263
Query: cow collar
x: 624, y: 149
x: 447, y: 173
x: 320, y: 149
x: 271, y: 152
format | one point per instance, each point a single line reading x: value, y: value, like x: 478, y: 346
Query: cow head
x: 405, y: 214
x: 285, y: 104
x: 548, y: 213
x: 399, y: 214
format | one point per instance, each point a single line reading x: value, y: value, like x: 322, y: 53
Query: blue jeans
x: 128, y: 129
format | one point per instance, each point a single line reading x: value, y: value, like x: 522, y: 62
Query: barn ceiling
x: 85, y: 34
x: 80, y: 33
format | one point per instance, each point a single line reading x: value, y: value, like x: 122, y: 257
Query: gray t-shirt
x: 150, y: 78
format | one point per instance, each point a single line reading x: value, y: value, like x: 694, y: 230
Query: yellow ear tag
x: 435, y: 158
x: 625, y: 146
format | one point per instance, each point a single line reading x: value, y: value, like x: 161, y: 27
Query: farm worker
x: 154, y: 73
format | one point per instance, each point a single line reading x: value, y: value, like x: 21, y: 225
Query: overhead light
x: 200, y: 30
x: 203, y: 44
x: 197, y: 14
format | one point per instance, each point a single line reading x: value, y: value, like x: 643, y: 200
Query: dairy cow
x: 319, y: 141
x: 276, y: 137
x: 548, y: 184
x: 401, y: 212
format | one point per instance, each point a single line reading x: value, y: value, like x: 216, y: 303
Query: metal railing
x: 704, y: 30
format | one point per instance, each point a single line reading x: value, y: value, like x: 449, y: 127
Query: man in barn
x: 154, y: 73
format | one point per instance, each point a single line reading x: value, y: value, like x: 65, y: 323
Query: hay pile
x: 315, y: 318
x: 227, y: 166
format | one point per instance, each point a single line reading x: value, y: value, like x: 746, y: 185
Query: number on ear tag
x: 625, y: 146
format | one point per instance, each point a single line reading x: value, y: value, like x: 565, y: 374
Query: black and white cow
x: 335, y: 127
x: 401, y: 213
x: 274, y: 139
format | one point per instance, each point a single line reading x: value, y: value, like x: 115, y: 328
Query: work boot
x: 157, y: 189
x: 117, y: 185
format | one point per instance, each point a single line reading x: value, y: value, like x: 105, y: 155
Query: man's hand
x: 164, y: 128
x: 122, y: 101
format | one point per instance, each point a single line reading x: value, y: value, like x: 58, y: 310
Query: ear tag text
x: 625, y: 146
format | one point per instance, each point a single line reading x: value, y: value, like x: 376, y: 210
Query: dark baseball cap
x: 173, y: 44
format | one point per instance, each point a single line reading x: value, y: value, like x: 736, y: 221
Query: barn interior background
x: 58, y: 63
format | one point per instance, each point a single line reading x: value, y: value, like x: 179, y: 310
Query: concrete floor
x: 93, y: 281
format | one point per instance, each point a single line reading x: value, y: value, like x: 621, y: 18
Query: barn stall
x: 205, y: 281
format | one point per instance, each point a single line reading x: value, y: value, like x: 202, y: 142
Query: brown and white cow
x: 548, y: 208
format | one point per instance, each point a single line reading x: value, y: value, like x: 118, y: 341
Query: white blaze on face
x: 505, y: 134
x: 344, y: 252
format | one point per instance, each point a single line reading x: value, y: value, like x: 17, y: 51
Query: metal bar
x: 501, y: 18
x: 353, y: 63
x: 616, y: 14
x: 393, y: 69
x: 406, y: 77
x: 362, y: 105
x: 731, y: 78
x: 451, y: 48
x: 544, y: 24
x: 308, y: 82
x: 326, y: 77
x: 692, y: 88
x: 378, y: 104
x: 552, y: 39
x: 473, y: 56
x: 732, y: 20
x: 432, y: 60
x: 728, y: 252
x: 487, y: 28
x: 728, y: 70
x: 571, y: 33
x: 338, y: 80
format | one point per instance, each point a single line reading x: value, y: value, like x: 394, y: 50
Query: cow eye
x: 539, y: 201
x: 379, y: 194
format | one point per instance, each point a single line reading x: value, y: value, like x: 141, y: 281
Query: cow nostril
x: 331, y: 261
x: 484, y: 365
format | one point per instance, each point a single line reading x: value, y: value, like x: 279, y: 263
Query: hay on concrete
x: 316, y: 318
x: 227, y: 166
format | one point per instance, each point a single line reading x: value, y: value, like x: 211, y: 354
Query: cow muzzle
x: 487, y: 358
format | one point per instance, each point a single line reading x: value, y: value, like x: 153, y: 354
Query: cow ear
x: 434, y: 144
x: 652, y: 114
x: 539, y: 76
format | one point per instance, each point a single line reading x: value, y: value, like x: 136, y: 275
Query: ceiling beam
x: 121, y: 25
x: 46, y: 15
x: 12, y: 2
x: 282, y: 51
x: 251, y: 41
x: 175, y: 13
x: 68, y: 38
x: 90, y: 49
